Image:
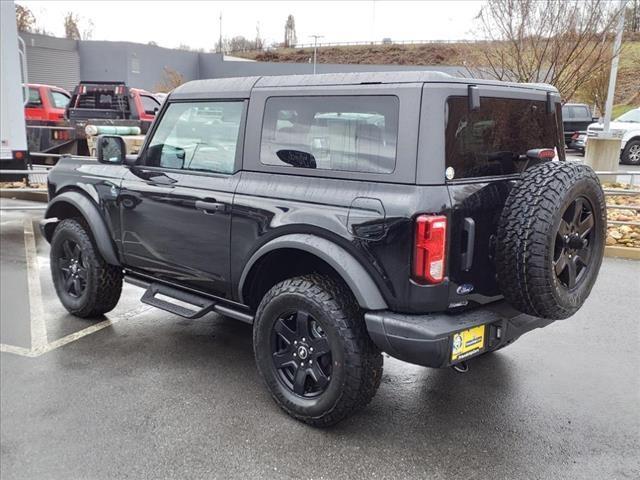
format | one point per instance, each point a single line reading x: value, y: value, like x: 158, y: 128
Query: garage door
x: 53, y: 67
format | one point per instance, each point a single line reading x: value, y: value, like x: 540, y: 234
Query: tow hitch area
x: 462, y: 367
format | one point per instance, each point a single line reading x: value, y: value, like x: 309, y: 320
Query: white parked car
x: 629, y: 123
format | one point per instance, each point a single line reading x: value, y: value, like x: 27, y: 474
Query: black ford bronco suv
x: 429, y: 217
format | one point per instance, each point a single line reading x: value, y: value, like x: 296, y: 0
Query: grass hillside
x: 438, y: 54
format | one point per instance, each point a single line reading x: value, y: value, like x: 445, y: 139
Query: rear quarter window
x: 493, y: 140
x: 340, y: 133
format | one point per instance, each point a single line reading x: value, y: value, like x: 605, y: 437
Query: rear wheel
x: 313, y: 351
x: 631, y: 153
x: 86, y: 285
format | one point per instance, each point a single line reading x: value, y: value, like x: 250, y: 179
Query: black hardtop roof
x: 241, y: 87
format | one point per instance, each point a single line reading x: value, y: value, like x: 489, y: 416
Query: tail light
x: 61, y: 135
x: 429, y: 249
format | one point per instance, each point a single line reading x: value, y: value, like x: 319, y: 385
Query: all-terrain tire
x: 631, y: 153
x: 528, y: 241
x: 356, y: 361
x: 102, y: 283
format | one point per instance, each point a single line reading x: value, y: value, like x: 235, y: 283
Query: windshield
x: 632, y: 116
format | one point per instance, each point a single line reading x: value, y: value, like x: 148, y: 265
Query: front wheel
x: 86, y: 285
x: 313, y: 351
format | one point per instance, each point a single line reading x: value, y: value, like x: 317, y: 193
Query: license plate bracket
x: 466, y: 343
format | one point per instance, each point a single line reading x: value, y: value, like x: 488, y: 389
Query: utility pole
x: 614, y: 66
x: 315, y: 50
x: 220, y: 41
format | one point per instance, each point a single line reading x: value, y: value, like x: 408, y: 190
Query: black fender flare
x: 352, y: 272
x: 92, y: 216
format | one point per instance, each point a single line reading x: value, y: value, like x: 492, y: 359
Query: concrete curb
x: 622, y: 252
x: 31, y: 196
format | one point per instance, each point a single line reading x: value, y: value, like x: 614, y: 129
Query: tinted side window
x: 494, y: 139
x: 346, y: 133
x: 200, y: 136
x: 34, y: 98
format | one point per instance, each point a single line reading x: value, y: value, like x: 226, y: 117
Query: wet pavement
x: 145, y: 394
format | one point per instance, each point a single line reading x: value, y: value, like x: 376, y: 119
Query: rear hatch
x: 486, y: 150
x: 103, y: 100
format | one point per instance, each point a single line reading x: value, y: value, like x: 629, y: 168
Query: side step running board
x: 191, y: 305
x: 201, y: 305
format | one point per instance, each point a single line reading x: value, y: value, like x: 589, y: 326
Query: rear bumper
x: 427, y: 339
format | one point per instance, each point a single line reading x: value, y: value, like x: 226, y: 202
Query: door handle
x: 469, y: 227
x: 209, y: 208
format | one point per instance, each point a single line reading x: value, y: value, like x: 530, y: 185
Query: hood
x: 615, y: 126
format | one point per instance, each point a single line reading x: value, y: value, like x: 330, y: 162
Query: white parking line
x: 61, y: 342
x: 39, y: 339
x: 36, y: 309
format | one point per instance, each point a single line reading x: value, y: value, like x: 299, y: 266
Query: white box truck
x: 13, y: 147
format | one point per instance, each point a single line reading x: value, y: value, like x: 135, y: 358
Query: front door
x: 176, y: 202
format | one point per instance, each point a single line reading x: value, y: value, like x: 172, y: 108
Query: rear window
x: 493, y: 140
x: 103, y: 97
x: 570, y: 112
x: 345, y: 133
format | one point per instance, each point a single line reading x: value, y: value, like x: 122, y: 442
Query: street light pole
x: 614, y: 66
x: 315, y: 50
x: 220, y: 41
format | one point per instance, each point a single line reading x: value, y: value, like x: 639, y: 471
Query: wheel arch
x: 309, y: 251
x: 72, y: 204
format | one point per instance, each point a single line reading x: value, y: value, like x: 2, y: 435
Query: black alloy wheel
x: 572, y: 252
x: 73, y: 268
x: 301, y: 354
x: 313, y: 351
x: 86, y: 284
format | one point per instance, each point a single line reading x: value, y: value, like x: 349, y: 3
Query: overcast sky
x: 170, y: 24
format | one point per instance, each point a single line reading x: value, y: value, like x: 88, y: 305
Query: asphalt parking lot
x: 145, y: 394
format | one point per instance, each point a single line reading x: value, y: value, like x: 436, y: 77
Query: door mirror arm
x: 130, y: 160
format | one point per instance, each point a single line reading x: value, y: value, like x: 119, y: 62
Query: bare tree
x: 290, y: 38
x: 259, y: 42
x: 87, y: 33
x: 25, y: 19
x: 632, y: 17
x: 594, y: 90
x: 71, y: 26
x: 563, y: 43
x: 170, y: 79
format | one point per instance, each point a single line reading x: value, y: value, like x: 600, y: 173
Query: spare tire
x: 550, y: 239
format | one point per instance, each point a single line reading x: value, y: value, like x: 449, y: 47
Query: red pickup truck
x: 46, y: 102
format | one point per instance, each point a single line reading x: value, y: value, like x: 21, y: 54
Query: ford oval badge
x: 464, y: 289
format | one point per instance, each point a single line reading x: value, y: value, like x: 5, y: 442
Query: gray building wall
x: 140, y: 66
x: 52, y: 61
x: 64, y: 63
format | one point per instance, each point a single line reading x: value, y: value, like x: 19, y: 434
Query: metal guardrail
x: 630, y: 191
x: 357, y: 43
x: 42, y: 170
x: 40, y: 173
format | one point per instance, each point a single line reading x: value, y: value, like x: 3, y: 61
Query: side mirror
x: 110, y: 149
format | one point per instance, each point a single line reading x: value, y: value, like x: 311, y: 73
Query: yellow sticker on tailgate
x: 467, y: 342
